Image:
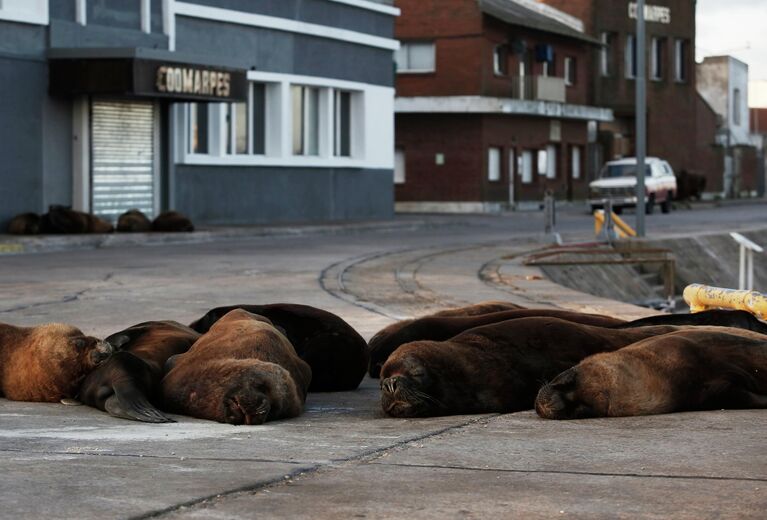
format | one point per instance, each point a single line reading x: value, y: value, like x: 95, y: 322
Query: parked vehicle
x: 617, y: 182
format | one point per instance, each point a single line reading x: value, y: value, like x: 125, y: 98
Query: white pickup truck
x: 617, y: 182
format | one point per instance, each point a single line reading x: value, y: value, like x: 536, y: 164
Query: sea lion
x: 134, y: 221
x: 438, y: 328
x: 716, y: 317
x: 692, y: 369
x: 242, y: 371
x: 63, y: 220
x: 25, y: 224
x: 172, y: 222
x: 127, y: 383
x: 46, y: 363
x: 493, y: 368
x: 337, y: 354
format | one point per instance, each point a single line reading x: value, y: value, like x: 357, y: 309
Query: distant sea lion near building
x: 134, y: 221
x: 25, y: 224
x: 716, y: 318
x: 437, y: 328
x: 128, y: 382
x: 172, y: 222
x: 493, y: 368
x: 692, y: 369
x: 336, y: 352
x: 46, y: 363
x: 242, y: 371
x: 63, y: 220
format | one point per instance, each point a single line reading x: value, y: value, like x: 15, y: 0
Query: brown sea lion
x: 46, y: 363
x: 438, y: 328
x: 242, y: 371
x: 172, y: 222
x: 128, y: 382
x: 692, y: 369
x: 336, y: 353
x: 717, y: 318
x: 63, y: 220
x: 133, y: 221
x: 493, y: 368
x: 25, y: 224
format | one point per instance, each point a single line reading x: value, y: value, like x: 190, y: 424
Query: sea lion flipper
x: 132, y: 405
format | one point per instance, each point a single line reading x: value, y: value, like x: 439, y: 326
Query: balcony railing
x: 538, y: 88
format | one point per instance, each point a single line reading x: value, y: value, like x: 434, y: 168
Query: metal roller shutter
x: 122, y: 157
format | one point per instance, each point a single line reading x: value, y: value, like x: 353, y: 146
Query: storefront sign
x: 652, y: 13
x: 188, y: 80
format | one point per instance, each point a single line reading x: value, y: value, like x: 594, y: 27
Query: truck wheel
x: 618, y: 210
x: 649, y: 208
x: 665, y: 206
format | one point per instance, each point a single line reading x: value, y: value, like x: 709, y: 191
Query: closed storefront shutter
x: 122, y: 157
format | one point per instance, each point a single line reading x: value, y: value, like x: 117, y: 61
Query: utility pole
x: 641, y: 119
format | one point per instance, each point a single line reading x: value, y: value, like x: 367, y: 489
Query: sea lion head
x: 386, y: 341
x: 565, y: 397
x: 413, y: 386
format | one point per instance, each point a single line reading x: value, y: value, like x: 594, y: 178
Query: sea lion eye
x: 79, y: 343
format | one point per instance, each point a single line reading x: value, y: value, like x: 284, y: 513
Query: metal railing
x: 703, y: 297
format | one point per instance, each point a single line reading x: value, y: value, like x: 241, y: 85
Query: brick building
x: 492, y: 105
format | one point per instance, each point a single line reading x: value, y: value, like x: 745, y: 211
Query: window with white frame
x: 551, y: 161
x: 25, y: 11
x: 606, y: 54
x: 526, y: 166
x: 236, y: 116
x: 494, y: 164
x: 258, y: 118
x: 416, y: 57
x: 631, y: 56
x: 500, y: 60
x: 570, y: 71
x: 399, y: 166
x: 680, y: 60
x: 657, y: 58
x: 575, y: 162
x: 543, y: 162
x: 306, y: 120
x: 198, y: 117
x: 342, y: 123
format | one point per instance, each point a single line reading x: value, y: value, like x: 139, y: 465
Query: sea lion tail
x: 128, y: 402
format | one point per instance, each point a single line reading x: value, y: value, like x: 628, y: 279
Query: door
x: 123, y: 158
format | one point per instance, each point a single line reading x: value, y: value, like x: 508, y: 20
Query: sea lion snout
x: 390, y: 384
x: 247, y: 407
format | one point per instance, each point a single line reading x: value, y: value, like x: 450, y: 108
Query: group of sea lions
x: 62, y: 220
x: 247, y: 364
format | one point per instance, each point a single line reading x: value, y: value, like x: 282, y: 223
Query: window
x: 736, y: 106
x: 306, y: 120
x: 575, y: 162
x: 542, y: 162
x: 657, y: 58
x: 399, y: 166
x: 570, y: 71
x: 258, y: 113
x: 606, y: 54
x: 416, y: 57
x: 551, y: 161
x: 198, y: 127
x: 549, y: 68
x: 526, y: 166
x: 681, y: 49
x: 494, y: 164
x: 236, y: 116
x: 342, y: 124
x: 25, y: 11
x: 500, y: 60
x: 631, y: 56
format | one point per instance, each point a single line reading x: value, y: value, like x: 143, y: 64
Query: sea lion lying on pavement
x: 716, y: 317
x: 242, y: 371
x: 134, y: 221
x: 172, y: 222
x: 438, y: 328
x: 692, y: 369
x: 25, y: 224
x: 336, y: 353
x: 128, y: 382
x: 493, y: 368
x: 46, y: 363
x: 63, y: 220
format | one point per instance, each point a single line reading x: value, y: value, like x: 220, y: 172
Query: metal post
x: 742, y: 273
x: 609, y: 225
x: 750, y: 269
x: 641, y: 119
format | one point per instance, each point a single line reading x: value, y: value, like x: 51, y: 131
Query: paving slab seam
x: 489, y: 274
x: 65, y: 299
x: 365, y: 457
x: 583, y: 473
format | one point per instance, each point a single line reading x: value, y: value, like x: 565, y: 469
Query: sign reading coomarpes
x: 193, y: 81
x: 652, y: 13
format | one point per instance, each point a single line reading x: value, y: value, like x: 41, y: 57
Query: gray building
x: 231, y: 111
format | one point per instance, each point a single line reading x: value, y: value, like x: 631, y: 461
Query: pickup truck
x: 617, y: 182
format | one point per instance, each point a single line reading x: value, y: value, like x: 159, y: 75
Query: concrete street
x: 343, y: 458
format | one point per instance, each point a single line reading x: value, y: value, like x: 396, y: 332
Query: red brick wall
x: 758, y: 120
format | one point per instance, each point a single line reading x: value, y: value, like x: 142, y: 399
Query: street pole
x: 641, y: 119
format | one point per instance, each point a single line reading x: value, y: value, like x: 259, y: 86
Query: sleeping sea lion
x: 46, y: 363
x: 242, y: 371
x: 172, y: 222
x: 134, y: 221
x: 336, y: 353
x: 25, y: 224
x: 63, y: 220
x: 128, y: 382
x: 438, y: 328
x: 716, y: 317
x: 493, y: 368
x: 693, y: 369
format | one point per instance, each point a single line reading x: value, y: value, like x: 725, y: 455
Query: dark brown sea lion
x: 63, y: 220
x: 692, y: 369
x: 717, y: 318
x: 242, y: 371
x: 46, y: 363
x: 336, y: 353
x: 128, y: 382
x: 25, y: 224
x: 493, y: 368
x: 172, y: 222
x: 439, y: 328
x: 134, y: 221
